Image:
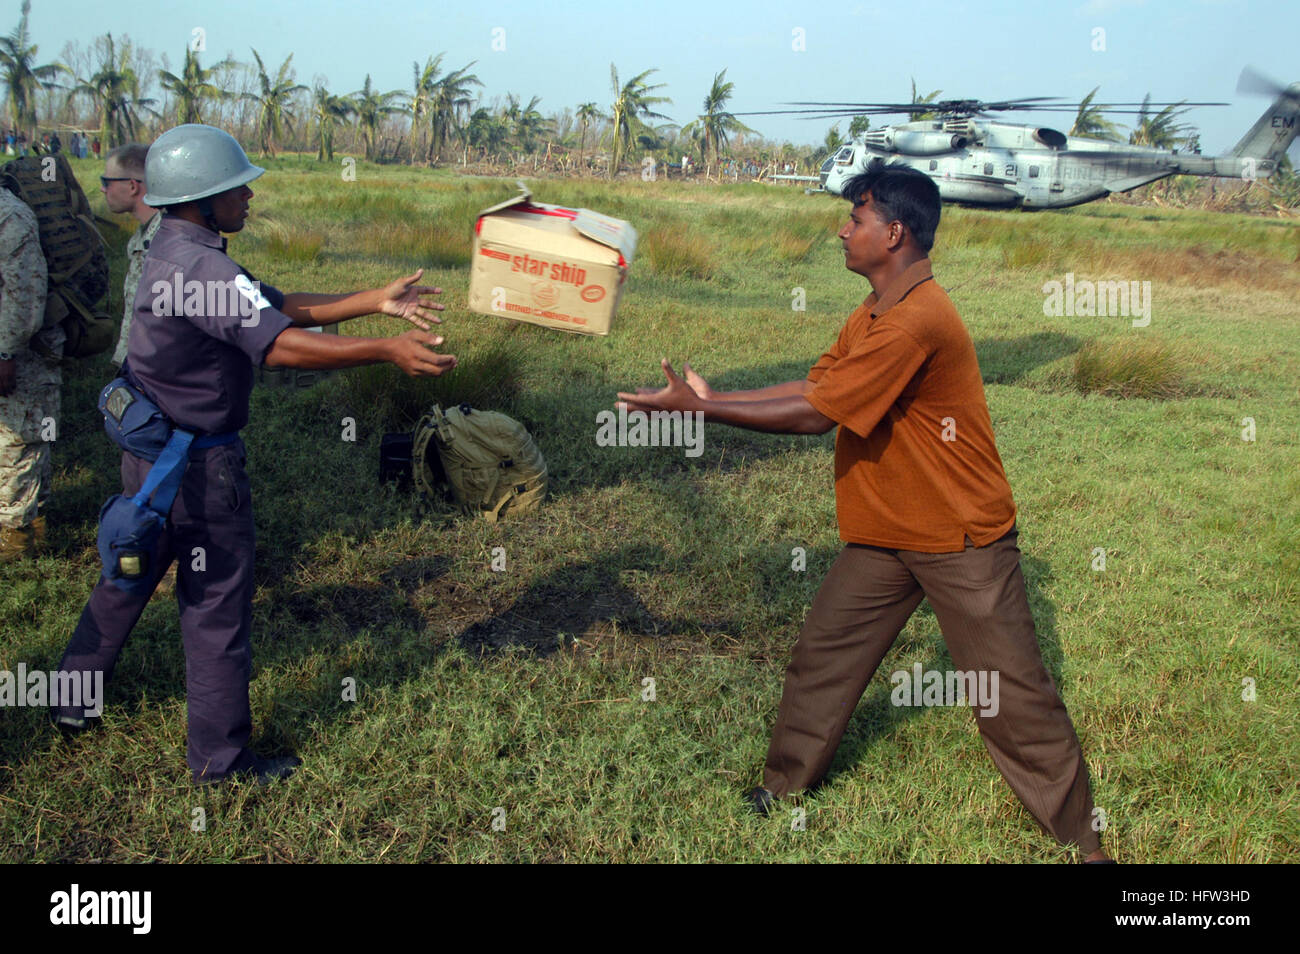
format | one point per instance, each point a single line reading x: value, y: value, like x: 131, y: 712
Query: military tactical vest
x: 73, y: 249
x: 489, y: 460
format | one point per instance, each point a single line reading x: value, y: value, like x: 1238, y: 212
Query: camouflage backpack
x: 489, y: 460
x: 73, y: 249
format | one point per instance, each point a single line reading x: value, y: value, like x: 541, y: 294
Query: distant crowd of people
x: 739, y: 167
x: 80, y: 145
x: 732, y: 167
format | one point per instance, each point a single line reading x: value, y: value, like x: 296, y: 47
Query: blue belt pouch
x: 133, y: 421
x: 129, y: 527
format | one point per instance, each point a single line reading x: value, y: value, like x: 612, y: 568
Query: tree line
x: 121, y: 93
x: 127, y: 93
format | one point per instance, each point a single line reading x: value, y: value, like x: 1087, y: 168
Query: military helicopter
x: 987, y: 162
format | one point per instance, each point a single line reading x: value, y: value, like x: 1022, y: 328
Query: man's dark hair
x: 899, y: 192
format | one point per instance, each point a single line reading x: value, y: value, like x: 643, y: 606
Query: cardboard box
x: 550, y: 266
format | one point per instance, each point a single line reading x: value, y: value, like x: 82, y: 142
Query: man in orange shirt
x: 924, y: 509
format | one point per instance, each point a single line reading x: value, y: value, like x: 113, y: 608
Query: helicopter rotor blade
x: 828, y: 112
x: 855, y: 105
x: 1253, y: 82
x: 946, y: 107
x: 1150, y: 105
x: 968, y: 108
x: 1124, y: 108
x: 974, y: 107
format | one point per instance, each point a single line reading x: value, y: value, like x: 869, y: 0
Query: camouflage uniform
x: 24, y: 455
x: 135, y: 252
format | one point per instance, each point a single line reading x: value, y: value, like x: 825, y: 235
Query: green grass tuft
x: 295, y: 245
x: 1130, y: 367
x: 677, y: 253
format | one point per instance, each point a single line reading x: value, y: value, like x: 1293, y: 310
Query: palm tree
x: 21, y: 78
x: 115, y: 91
x: 716, y: 123
x: 370, y: 107
x: 693, y: 133
x: 921, y: 100
x: 1161, y: 130
x: 274, y: 101
x: 423, y: 84
x: 193, y: 86
x: 1090, y: 120
x: 630, y: 109
x: 487, y: 132
x: 451, y: 99
x: 526, y: 124
x: 328, y: 110
x: 655, y: 141
x: 587, y: 114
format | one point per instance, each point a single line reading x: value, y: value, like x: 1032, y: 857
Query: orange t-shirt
x: 916, y: 467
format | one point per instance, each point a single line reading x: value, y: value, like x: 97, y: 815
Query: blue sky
x: 852, y: 51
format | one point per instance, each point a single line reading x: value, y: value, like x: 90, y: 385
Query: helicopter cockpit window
x: 1033, y: 172
x: 845, y: 154
x: 934, y: 164
x: 988, y: 168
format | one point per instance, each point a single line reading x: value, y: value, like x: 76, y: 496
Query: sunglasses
x: 105, y: 180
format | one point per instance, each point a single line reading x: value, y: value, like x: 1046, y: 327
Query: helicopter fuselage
x: 991, y: 163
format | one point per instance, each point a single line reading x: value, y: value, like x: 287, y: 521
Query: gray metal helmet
x: 192, y: 162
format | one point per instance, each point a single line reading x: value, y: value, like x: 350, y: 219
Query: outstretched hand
x: 405, y: 299
x: 680, y: 394
x: 412, y: 351
x: 697, y: 383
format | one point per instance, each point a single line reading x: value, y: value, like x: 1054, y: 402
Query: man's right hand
x: 8, y: 377
x: 411, y: 351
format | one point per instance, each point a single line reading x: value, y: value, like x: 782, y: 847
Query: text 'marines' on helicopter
x: 978, y: 161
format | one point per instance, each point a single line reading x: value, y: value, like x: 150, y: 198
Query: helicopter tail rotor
x: 1253, y: 82
x: 1268, y: 140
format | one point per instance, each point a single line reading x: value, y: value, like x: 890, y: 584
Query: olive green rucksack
x: 488, y: 459
x: 74, y: 251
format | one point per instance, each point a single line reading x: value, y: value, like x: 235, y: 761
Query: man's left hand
x: 676, y: 396
x: 405, y: 299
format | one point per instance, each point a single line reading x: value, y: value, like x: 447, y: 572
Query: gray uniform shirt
x: 201, y: 324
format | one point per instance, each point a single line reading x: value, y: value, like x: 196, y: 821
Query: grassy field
x: 519, y: 696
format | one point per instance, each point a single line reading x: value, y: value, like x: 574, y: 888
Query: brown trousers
x: 979, y: 598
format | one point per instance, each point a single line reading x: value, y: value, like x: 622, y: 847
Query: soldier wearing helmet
x: 201, y: 325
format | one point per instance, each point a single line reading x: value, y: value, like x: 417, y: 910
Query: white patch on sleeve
x: 251, y: 291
